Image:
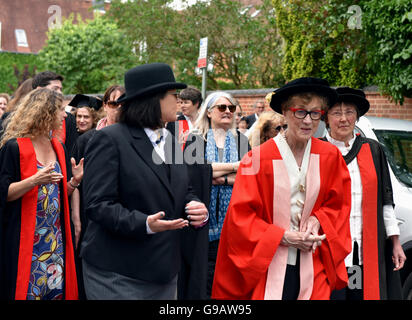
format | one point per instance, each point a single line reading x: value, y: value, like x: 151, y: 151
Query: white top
x: 356, y: 223
x: 189, y: 123
x: 159, y: 148
x: 297, y: 177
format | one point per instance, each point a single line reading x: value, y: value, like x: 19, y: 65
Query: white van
x: 396, y: 137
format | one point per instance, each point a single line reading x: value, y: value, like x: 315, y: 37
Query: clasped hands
x: 196, y: 215
x: 307, y: 238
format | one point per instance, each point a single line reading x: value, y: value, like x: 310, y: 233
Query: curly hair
x: 34, y: 116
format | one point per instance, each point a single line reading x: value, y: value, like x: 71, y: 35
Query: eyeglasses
x: 339, y: 114
x: 284, y: 127
x: 222, y: 107
x: 302, y: 113
x: 113, y: 104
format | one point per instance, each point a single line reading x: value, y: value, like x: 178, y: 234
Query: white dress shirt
x: 356, y: 222
x: 159, y: 148
x: 297, y: 177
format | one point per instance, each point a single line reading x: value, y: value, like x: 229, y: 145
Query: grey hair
x: 202, y: 124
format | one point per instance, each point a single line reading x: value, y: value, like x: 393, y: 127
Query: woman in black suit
x: 137, y: 195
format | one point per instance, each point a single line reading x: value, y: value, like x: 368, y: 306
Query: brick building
x: 24, y: 23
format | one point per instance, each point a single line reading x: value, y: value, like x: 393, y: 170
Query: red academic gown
x: 258, y: 216
x: 18, y: 161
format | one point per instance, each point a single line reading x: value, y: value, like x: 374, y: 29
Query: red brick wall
x: 381, y: 106
x: 33, y: 17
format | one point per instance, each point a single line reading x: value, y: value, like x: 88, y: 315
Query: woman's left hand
x: 398, y: 256
x: 311, y: 227
x: 197, y: 213
x: 77, y: 170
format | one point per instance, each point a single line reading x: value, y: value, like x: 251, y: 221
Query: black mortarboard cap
x: 81, y: 100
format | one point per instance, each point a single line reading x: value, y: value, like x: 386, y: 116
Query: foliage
x: 320, y: 42
x: 15, y: 68
x: 349, y: 43
x: 244, y: 50
x: 389, y: 23
x: 91, y: 55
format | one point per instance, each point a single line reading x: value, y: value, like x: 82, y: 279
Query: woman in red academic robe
x: 377, y: 253
x: 190, y: 102
x: 286, y: 232
x: 37, y: 260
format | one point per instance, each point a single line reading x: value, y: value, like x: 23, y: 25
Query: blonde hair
x: 262, y: 128
x: 35, y: 115
x: 202, y: 124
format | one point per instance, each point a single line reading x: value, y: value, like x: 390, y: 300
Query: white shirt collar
x: 340, y: 144
x: 153, y: 136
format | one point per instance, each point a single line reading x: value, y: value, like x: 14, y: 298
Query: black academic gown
x: 12, y: 248
x: 380, y: 282
x: 192, y: 282
x: 78, y: 153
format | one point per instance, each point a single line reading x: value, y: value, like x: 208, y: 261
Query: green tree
x: 15, y: 68
x: 389, y: 25
x: 245, y: 49
x: 91, y: 55
x: 319, y: 41
x: 349, y: 43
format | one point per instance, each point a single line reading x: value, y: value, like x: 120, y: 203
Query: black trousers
x: 211, y: 263
x: 354, y: 291
x: 291, y: 286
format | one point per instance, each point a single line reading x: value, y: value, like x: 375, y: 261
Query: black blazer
x: 122, y: 186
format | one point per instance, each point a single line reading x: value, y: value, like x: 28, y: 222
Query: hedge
x: 23, y: 64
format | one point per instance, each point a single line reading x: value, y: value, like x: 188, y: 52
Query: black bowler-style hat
x: 300, y: 85
x: 148, y: 79
x: 355, y: 96
x: 81, y: 100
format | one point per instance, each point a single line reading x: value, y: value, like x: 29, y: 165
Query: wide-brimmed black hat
x: 355, y: 96
x: 301, y: 85
x: 81, y: 100
x: 148, y: 79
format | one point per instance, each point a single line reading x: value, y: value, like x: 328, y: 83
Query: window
x: 21, y: 38
x: 398, y: 151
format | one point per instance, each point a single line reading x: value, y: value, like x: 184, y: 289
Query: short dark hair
x: 192, y: 94
x: 43, y: 79
x: 144, y: 112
